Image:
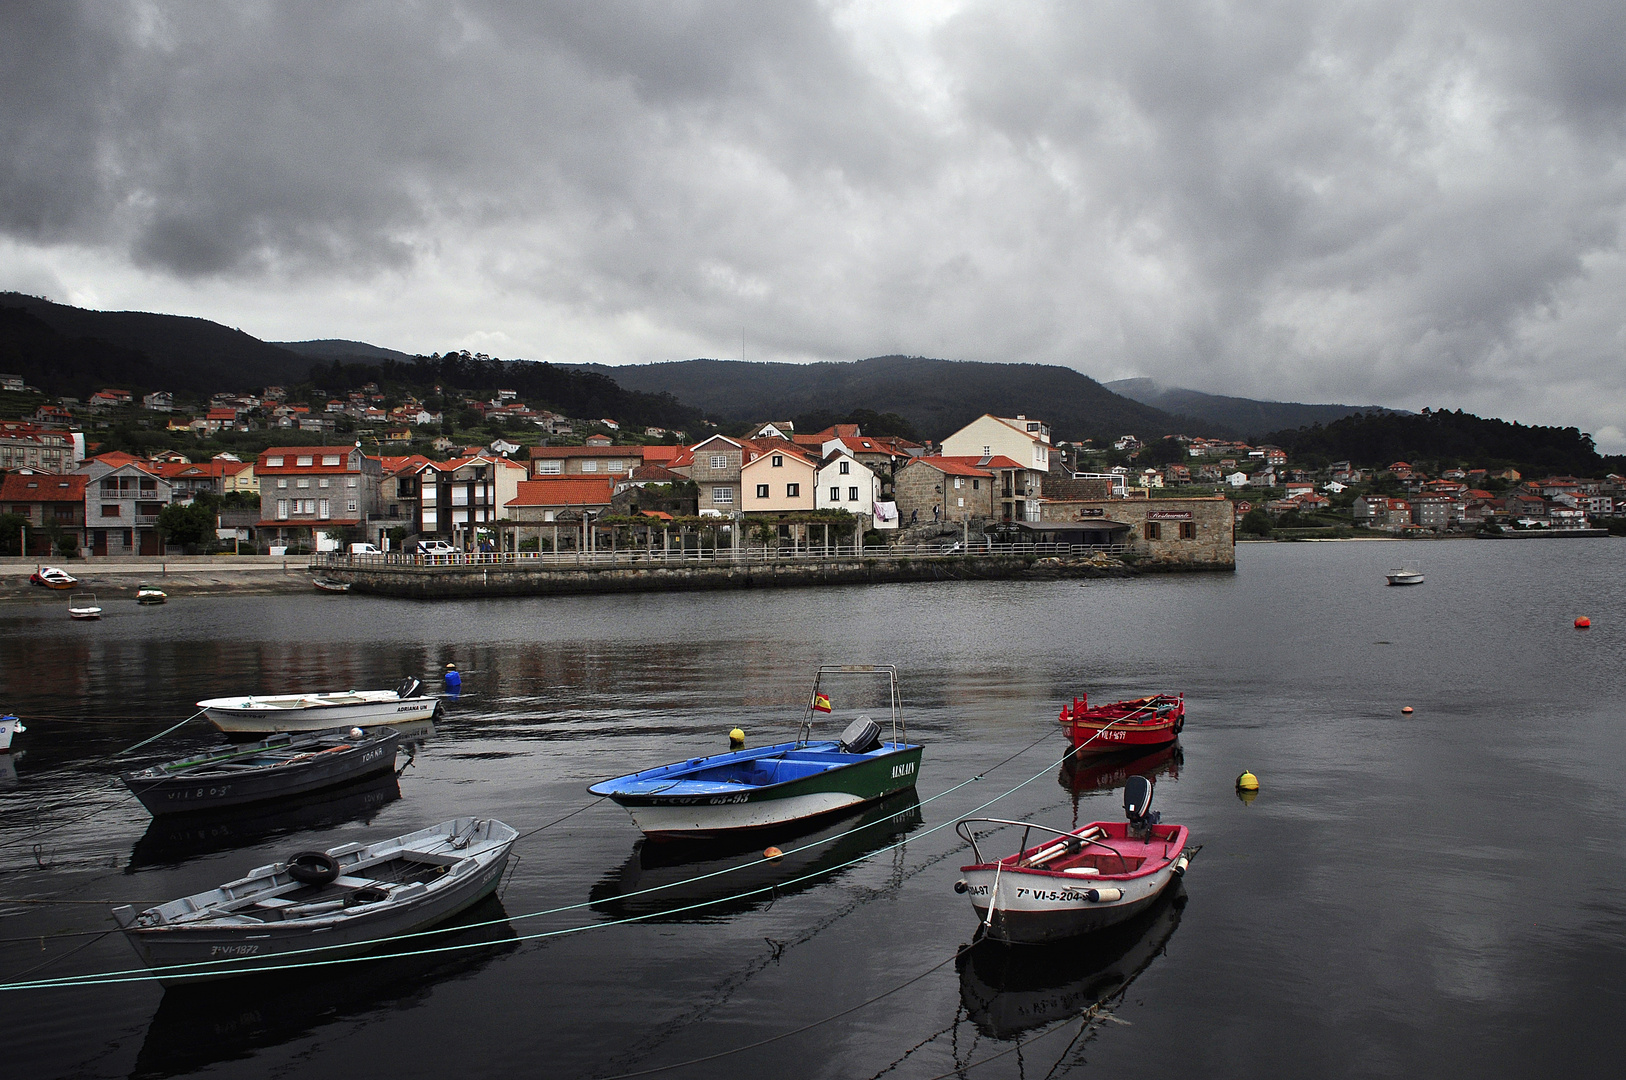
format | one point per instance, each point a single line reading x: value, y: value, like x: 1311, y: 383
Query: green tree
x: 11, y: 533
x: 1169, y: 451
x: 1257, y: 522
x: 187, y: 523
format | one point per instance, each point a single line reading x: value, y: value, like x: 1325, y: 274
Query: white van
x: 364, y: 549
x: 438, y: 550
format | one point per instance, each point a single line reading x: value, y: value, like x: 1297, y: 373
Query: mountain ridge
x: 1249, y: 417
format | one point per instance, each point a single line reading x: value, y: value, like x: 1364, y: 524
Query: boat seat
x: 1082, y: 871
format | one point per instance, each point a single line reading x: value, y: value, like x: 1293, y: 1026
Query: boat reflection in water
x: 658, y: 863
x: 1086, y: 775
x: 1008, y: 989
x: 197, y: 1025
x: 173, y: 838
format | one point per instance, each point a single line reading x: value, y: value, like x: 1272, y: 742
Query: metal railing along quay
x: 752, y: 556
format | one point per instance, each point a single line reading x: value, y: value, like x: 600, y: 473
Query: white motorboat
x: 319, y: 712
x: 9, y: 726
x: 150, y: 594
x: 1402, y: 576
x: 82, y: 605
x: 338, y: 902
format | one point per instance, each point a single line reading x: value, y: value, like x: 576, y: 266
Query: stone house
x: 305, y: 490
x: 600, y: 459
x: 48, y: 501
x: 122, y: 504
x: 1198, y: 532
x: 934, y: 488
x: 715, y: 469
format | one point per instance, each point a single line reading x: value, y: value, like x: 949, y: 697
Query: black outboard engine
x: 861, y: 736
x: 1138, y: 806
x: 409, y: 688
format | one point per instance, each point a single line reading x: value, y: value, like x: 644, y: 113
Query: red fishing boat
x: 1138, y: 724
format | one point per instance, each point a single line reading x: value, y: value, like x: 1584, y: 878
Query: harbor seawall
x: 533, y: 579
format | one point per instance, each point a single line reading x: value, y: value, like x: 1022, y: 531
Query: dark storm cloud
x: 1416, y: 203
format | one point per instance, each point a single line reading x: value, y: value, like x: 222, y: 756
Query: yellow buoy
x: 736, y: 737
x: 772, y: 853
x: 1405, y: 710
x: 1247, y: 782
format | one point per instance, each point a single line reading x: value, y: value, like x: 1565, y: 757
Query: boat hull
x: 1405, y: 579
x: 181, y: 794
x: 237, y: 719
x: 1037, y: 904
x: 9, y: 726
x: 683, y: 811
x: 234, y: 950
x: 1138, y: 725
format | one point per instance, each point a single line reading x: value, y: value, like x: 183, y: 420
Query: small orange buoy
x: 1583, y: 623
x: 772, y: 853
x: 1406, y: 710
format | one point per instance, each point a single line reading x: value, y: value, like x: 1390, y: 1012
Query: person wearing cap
x: 454, y: 681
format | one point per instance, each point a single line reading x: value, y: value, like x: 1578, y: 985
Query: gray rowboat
x: 277, y: 768
x: 381, y: 891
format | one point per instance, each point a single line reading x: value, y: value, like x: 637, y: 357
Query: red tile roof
x: 954, y: 466
x: 565, y: 492
x: 43, y: 487
x: 587, y: 451
x: 290, y: 456
x: 998, y: 461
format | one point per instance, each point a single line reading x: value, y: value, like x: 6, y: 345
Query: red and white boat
x: 1138, y: 724
x: 1079, y: 881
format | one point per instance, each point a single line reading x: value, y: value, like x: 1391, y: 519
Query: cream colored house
x: 1024, y: 441
x: 777, y: 479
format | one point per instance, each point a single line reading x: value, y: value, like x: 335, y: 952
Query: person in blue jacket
x: 454, y: 681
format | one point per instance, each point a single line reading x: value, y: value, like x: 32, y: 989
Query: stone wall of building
x: 1183, y: 531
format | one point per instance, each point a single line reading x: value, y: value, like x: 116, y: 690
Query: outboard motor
x: 409, y: 688
x: 861, y: 736
x: 1138, y: 806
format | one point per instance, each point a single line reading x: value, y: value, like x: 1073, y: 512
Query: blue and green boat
x: 769, y: 786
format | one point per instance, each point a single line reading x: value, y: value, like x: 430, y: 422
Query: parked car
x: 365, y: 549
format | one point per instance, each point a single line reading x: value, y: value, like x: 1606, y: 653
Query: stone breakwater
x: 529, y: 579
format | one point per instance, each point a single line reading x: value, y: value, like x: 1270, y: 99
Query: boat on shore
x: 343, y: 901
x: 283, y: 766
x: 1074, y: 881
x: 1136, y: 724
x: 330, y: 585
x: 150, y: 594
x: 52, y: 577
x: 1403, y: 576
x: 321, y: 712
x: 770, y: 786
x: 82, y: 605
x: 9, y: 726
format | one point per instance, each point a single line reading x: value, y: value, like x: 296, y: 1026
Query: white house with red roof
x: 1024, y: 441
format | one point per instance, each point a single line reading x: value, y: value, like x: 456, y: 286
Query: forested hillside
x: 1445, y: 439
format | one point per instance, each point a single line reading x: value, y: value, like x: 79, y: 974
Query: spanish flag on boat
x: 821, y: 702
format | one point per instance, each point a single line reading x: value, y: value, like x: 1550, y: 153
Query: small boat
x: 342, y: 901
x: 329, y: 585
x: 150, y: 594
x: 320, y: 712
x: 1137, y: 724
x: 52, y: 577
x: 1075, y: 881
x: 277, y: 768
x: 9, y: 726
x: 1402, y: 576
x: 82, y: 605
x: 775, y: 785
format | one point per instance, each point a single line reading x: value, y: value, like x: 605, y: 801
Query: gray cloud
x: 1418, y: 203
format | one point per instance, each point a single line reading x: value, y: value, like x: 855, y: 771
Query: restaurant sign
x: 1169, y: 515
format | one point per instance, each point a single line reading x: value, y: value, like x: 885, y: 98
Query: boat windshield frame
x: 900, y: 729
x: 1026, y: 827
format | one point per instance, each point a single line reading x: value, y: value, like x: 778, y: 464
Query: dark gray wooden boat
x: 280, y: 767
x: 319, y: 905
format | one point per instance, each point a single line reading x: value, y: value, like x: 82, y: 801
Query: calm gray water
x: 1408, y: 895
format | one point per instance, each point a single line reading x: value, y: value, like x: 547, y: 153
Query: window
x: 395, y: 510
x: 793, y: 491
x: 303, y: 459
x: 148, y: 484
x: 959, y: 482
x: 988, y: 451
x: 835, y: 494
x: 852, y: 494
x: 112, y: 510
x: 1154, y: 531
x: 846, y: 467
x: 322, y: 483
x: 350, y: 482
x: 1188, y: 530
x: 762, y: 491
x: 330, y: 459
x: 614, y: 466
x: 589, y: 466
x: 273, y: 462
x: 719, y: 461
x: 282, y: 509
x: 549, y: 468
x: 110, y: 483
x: 723, y: 496
x: 303, y: 481
x: 778, y: 460
x: 326, y: 510
x: 282, y: 481
x: 976, y: 484
x: 960, y: 501
x: 352, y: 507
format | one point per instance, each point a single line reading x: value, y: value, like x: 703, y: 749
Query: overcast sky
x: 1412, y: 204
